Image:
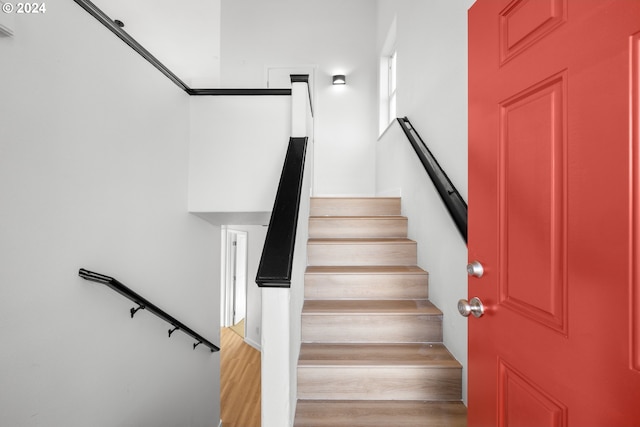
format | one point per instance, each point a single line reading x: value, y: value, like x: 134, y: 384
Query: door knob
x: 474, y: 307
x: 474, y: 268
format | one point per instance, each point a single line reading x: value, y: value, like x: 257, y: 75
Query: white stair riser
x: 379, y: 383
x: 366, y: 286
x: 371, y: 328
x: 354, y: 206
x: 362, y: 254
x: 357, y: 227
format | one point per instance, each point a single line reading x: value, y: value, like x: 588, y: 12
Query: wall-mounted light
x: 339, y: 79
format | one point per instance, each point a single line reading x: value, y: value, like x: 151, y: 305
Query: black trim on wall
x: 125, y: 37
x: 238, y: 92
x: 452, y: 199
x: 276, y: 261
x: 133, y: 44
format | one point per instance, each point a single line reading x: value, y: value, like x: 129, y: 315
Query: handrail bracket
x: 144, y: 304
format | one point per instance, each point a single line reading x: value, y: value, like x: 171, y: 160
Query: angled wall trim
x: 125, y: 37
x: 237, y: 92
x: 98, y: 14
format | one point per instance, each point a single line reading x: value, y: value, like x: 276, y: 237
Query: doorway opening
x: 240, y: 366
x: 234, y: 280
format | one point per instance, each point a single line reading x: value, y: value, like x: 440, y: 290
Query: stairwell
x: 372, y: 351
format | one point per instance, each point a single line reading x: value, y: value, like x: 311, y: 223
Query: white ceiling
x: 184, y: 35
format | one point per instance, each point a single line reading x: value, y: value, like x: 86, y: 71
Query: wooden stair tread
x: 375, y: 413
x: 367, y: 307
x: 433, y: 355
x: 365, y: 269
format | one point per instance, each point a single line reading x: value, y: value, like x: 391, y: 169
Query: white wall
x: 337, y: 38
x: 93, y: 174
x: 432, y: 93
x: 237, y: 149
x: 432, y: 75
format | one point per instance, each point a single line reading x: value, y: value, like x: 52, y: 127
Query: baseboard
x: 253, y: 343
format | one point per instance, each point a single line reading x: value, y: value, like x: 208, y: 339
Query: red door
x: 554, y: 107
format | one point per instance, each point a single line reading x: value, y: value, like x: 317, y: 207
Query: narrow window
x: 387, y: 79
x: 391, y: 93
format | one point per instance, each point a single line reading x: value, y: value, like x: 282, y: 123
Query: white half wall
x: 237, y: 149
x: 93, y: 174
x: 337, y: 37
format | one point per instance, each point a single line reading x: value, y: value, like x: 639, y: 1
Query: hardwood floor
x: 239, y: 381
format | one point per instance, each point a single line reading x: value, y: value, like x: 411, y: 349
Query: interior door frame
x: 232, y: 256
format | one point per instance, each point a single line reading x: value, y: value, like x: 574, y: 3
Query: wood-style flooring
x: 239, y: 381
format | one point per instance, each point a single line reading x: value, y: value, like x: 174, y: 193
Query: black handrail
x: 105, y: 20
x: 276, y: 261
x: 452, y: 199
x: 97, y: 13
x: 144, y: 304
x: 238, y: 92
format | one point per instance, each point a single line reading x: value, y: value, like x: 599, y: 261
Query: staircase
x: 372, y: 352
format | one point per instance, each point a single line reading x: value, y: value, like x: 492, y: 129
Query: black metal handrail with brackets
x: 450, y: 196
x: 144, y: 304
